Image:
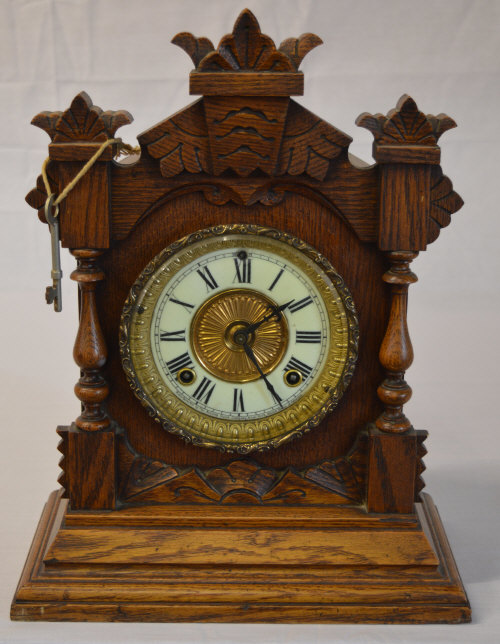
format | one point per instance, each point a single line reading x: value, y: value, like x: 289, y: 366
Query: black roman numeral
x: 173, y: 336
x: 298, y: 365
x: 238, y: 400
x: 308, y: 337
x: 275, y: 281
x: 181, y: 362
x: 204, y: 391
x: 243, y: 270
x: 186, y: 305
x: 207, y: 277
x: 296, y: 306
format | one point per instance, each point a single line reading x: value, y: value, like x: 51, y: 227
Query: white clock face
x: 239, y: 275
x: 239, y: 337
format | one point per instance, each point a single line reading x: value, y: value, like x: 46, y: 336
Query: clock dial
x: 239, y: 337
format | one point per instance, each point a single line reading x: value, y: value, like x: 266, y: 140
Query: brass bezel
x: 230, y: 435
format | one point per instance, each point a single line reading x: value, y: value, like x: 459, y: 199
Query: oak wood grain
x: 90, y: 350
x: 360, y: 265
x: 392, y: 472
x: 337, y: 591
x: 90, y: 469
x: 253, y: 84
x: 396, y: 351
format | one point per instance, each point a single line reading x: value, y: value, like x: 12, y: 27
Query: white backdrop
x: 446, y: 55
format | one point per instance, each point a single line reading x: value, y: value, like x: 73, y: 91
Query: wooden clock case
x: 332, y: 526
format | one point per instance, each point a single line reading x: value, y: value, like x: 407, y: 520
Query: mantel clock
x: 242, y: 453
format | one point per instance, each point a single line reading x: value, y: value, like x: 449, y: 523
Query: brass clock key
x: 53, y: 294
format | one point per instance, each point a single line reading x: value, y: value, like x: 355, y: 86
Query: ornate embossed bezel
x: 247, y: 435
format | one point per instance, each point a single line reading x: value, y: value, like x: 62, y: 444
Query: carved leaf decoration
x: 47, y: 121
x: 220, y: 194
x: 244, y: 481
x: 296, y: 488
x: 82, y: 121
x: 180, y: 143
x: 337, y: 478
x: 406, y: 125
x: 214, y: 62
x: 241, y: 475
x: 274, y: 61
x: 440, y: 124
x: 372, y: 122
x: 297, y: 48
x: 37, y: 197
x: 309, y: 144
x: 146, y: 475
x: 247, y: 44
x: 246, y: 48
x: 113, y: 120
x: 195, y: 48
x: 444, y: 202
x: 250, y: 49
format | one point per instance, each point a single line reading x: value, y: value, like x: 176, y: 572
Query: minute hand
x: 275, y: 312
x: 251, y: 356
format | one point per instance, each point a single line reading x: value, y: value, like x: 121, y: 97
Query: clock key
x: 53, y: 294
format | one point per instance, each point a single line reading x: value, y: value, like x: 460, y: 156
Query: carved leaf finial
x: 47, y: 121
x: 297, y: 48
x: 195, y: 48
x: 246, y: 48
x: 441, y: 124
x: 82, y: 121
x: 405, y: 124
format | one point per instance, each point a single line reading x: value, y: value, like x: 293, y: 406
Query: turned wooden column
x: 90, y: 351
x: 88, y: 446
x: 396, y: 351
x: 394, y: 444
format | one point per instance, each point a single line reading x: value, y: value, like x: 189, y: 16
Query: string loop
x: 123, y: 148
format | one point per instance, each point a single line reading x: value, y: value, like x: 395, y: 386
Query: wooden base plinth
x: 230, y: 564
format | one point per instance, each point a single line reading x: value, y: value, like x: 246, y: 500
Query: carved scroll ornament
x: 330, y: 482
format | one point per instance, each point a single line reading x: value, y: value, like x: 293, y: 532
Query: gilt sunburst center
x: 220, y: 318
